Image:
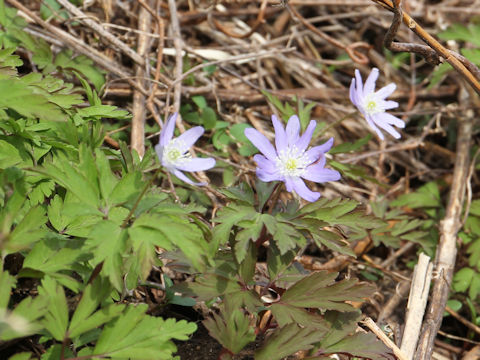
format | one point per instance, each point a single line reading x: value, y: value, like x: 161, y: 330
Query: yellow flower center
x: 173, y: 154
x: 371, y: 106
x: 292, y: 162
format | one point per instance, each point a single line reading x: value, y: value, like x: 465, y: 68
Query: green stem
x: 137, y: 202
x: 335, y: 123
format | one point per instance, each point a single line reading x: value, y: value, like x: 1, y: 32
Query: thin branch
x: 447, y: 250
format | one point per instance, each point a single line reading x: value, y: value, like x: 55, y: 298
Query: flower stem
x: 335, y: 123
x: 137, y: 202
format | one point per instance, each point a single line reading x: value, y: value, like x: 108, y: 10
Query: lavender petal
x: 189, y: 137
x: 168, y: 128
x: 280, y: 134
x: 197, y: 164
x: 389, y: 104
x: 319, y: 174
x: 182, y: 177
x: 353, y: 93
x: 371, y: 123
x: 304, y: 140
x: 261, y: 143
x: 265, y: 164
x: 317, y: 151
x: 303, y: 191
x: 267, y: 176
x: 390, y: 119
x: 370, y: 82
x: 385, y: 126
x: 293, y: 130
x: 359, y: 83
x: 386, y: 91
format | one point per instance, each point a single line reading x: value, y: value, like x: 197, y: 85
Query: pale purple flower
x: 373, y: 104
x: 174, y: 153
x: 291, y: 161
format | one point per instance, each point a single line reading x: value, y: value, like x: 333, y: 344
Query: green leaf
x: 287, y: 314
x: 126, y: 189
x: 21, y: 356
x: 226, y: 219
x: 26, y: 316
x: 56, y: 318
x: 84, y: 65
x: 232, y: 327
x: 29, y: 230
x: 85, y: 317
x: 72, y: 179
x: 13, y: 93
x: 108, y: 242
x: 209, y: 286
x: 347, y: 147
x: 319, y: 290
x: 9, y: 155
x: 180, y: 232
x: 426, y: 196
x: 462, y: 279
x: 200, y: 101
x: 103, y: 111
x: 209, y: 118
x: 342, y: 338
x: 7, y: 282
x: 138, y: 336
x: 287, y: 341
x: 51, y: 256
x: 238, y: 132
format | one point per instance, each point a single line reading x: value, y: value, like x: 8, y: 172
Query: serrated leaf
x: 342, y: 338
x: 13, y: 94
x: 65, y: 59
x: 21, y: 356
x: 126, y: 189
x: 103, y: 111
x: 232, y: 327
x: 29, y: 230
x: 7, y: 282
x: 85, y: 317
x: 319, y: 290
x: 426, y: 196
x: 208, y: 286
x: 52, y: 256
x: 108, y: 242
x: 180, y: 232
x: 70, y: 178
x: 462, y: 279
x: 107, y: 180
x: 286, y: 314
x: 287, y: 341
x: 350, y: 147
x: 56, y: 318
x: 226, y: 219
x: 9, y: 155
x: 139, y: 336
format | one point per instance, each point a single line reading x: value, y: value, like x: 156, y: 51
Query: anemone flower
x: 372, y: 104
x: 291, y: 161
x: 174, y: 153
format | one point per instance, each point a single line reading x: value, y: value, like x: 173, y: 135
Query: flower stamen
x: 292, y: 162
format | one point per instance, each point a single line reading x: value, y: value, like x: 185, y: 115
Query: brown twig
x: 446, y: 250
x: 351, y: 49
x: 260, y: 20
x: 177, y: 43
x: 161, y: 45
x: 137, y: 138
x: 104, y: 34
x: 457, y: 61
